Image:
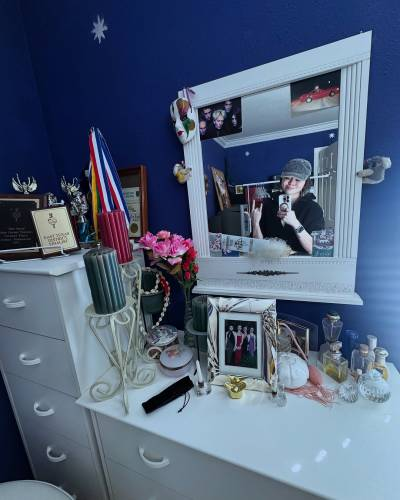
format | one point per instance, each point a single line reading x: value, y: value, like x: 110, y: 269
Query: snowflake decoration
x: 332, y: 135
x: 98, y: 29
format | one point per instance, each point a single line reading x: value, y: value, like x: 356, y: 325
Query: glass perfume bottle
x: 335, y: 365
x: 374, y: 387
x: 332, y: 326
x: 362, y: 359
x: 350, y: 339
x: 372, y: 343
x: 380, y: 361
x: 348, y: 390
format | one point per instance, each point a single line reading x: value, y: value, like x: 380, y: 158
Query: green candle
x: 105, y: 280
x: 200, y: 313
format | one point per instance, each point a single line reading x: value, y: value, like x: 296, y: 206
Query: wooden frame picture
x: 134, y: 188
x: 221, y: 188
x: 16, y: 227
x: 227, y: 314
x: 54, y: 228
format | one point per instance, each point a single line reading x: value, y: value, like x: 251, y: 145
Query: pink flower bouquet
x: 174, y: 254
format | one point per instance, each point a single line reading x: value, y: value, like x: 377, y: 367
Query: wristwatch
x: 299, y: 229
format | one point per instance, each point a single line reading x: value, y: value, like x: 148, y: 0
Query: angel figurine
x: 23, y: 187
x: 78, y: 206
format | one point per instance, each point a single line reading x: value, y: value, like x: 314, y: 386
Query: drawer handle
x: 29, y: 362
x: 54, y: 459
x: 158, y: 464
x: 42, y: 413
x: 17, y: 304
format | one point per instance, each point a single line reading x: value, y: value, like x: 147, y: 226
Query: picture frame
x: 257, y: 313
x: 16, y: 227
x: 134, y: 188
x: 53, y: 226
x: 285, y: 341
x: 221, y: 188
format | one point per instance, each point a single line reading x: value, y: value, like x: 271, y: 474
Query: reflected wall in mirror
x: 299, y: 120
x: 290, y: 228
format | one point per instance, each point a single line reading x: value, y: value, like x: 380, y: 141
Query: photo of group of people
x: 241, y: 343
x: 221, y: 118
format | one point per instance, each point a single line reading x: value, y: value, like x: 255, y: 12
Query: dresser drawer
x: 62, y: 462
x: 194, y: 474
x: 29, y: 302
x: 128, y: 485
x: 49, y: 408
x: 37, y: 358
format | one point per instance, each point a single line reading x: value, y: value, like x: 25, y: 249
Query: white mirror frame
x: 312, y: 279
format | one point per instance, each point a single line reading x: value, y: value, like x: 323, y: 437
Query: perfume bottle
x: 372, y: 343
x: 335, y: 365
x: 362, y: 359
x: 350, y: 339
x: 332, y: 326
x: 380, y: 361
x: 374, y: 387
x: 348, y: 390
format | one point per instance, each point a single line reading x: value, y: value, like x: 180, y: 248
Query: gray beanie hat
x: 298, y: 168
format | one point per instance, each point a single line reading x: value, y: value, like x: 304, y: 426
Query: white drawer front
x: 52, y: 409
x: 62, y: 462
x: 128, y: 485
x: 37, y: 358
x: 194, y: 474
x: 29, y: 303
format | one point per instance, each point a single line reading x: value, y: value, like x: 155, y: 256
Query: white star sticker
x: 332, y: 135
x: 99, y: 29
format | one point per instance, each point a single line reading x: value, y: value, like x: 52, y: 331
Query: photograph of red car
x: 318, y: 92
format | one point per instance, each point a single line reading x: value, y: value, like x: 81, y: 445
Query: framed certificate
x: 54, y: 228
x: 16, y: 228
x: 134, y: 188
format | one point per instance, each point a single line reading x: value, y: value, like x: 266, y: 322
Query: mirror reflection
x: 272, y: 175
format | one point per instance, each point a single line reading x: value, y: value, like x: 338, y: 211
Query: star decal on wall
x: 98, y: 29
x: 332, y: 135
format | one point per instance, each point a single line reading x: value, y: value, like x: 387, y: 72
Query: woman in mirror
x: 293, y: 222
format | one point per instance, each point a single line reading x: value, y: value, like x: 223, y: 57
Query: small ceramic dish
x: 162, y: 335
x: 176, y: 360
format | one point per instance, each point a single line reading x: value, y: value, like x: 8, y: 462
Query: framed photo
x: 240, y: 344
x: 221, y: 188
x: 292, y: 337
x: 242, y: 338
x: 221, y: 118
x: 134, y: 188
x: 53, y: 226
x: 16, y: 226
x: 318, y: 92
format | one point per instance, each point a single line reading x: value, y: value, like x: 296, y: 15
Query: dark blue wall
x: 152, y: 49
x: 24, y: 146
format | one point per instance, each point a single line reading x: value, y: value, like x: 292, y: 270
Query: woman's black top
x: 308, y: 213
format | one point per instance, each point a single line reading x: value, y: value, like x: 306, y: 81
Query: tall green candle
x: 105, y: 280
x: 200, y: 313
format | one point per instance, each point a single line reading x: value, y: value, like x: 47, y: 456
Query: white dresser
x: 249, y: 449
x: 48, y: 357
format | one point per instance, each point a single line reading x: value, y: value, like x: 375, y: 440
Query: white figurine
x: 374, y: 169
x: 181, y: 172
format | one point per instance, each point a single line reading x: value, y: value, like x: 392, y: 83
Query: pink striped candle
x: 114, y: 234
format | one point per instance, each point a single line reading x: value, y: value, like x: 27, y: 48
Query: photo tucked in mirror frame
x: 275, y: 179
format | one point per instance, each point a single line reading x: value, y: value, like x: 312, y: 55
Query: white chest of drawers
x: 249, y: 449
x: 43, y: 340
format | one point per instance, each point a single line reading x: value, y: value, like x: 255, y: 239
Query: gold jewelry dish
x: 235, y: 387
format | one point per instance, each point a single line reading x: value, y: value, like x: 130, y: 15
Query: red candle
x: 114, y: 234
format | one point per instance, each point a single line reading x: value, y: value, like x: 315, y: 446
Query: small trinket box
x: 176, y: 360
x: 235, y: 386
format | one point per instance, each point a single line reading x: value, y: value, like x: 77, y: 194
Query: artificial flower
x: 148, y: 240
x: 174, y: 260
x: 187, y: 276
x: 162, y: 248
x: 163, y: 234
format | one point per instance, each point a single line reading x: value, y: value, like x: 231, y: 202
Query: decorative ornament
x: 266, y: 273
x: 332, y: 135
x: 181, y: 172
x: 183, y: 117
x: 98, y: 29
x: 24, y: 187
x: 374, y: 169
x: 78, y: 206
x: 53, y: 202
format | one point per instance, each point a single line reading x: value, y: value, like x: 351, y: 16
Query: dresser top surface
x: 347, y: 451
x: 52, y: 266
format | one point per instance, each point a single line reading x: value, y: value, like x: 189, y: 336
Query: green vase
x: 153, y: 303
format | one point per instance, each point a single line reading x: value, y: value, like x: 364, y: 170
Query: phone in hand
x: 285, y: 203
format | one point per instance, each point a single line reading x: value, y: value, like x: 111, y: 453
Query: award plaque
x: 54, y: 228
x: 16, y: 227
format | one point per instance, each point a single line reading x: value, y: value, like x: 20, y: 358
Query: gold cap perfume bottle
x: 334, y: 364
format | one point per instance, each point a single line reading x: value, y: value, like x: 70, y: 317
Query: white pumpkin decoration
x: 292, y: 370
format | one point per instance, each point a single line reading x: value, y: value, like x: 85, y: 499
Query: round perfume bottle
x: 374, y: 387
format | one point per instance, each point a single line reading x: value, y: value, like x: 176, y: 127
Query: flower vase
x: 189, y: 338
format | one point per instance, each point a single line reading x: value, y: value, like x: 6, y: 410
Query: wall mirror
x: 249, y: 125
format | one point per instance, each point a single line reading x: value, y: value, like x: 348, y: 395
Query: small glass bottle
x: 332, y: 326
x: 350, y: 339
x: 335, y: 365
x: 362, y: 359
x: 372, y: 343
x: 380, y: 361
x: 374, y: 387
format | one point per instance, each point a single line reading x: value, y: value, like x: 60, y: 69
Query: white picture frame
x: 300, y: 278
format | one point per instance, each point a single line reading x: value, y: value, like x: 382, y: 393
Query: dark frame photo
x: 318, y: 92
x: 220, y: 119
